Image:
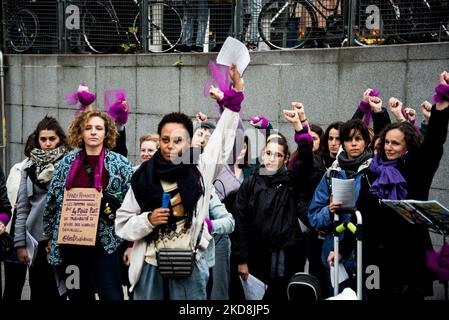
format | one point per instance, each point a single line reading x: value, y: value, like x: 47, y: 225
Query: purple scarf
x: 78, y: 163
x: 389, y: 184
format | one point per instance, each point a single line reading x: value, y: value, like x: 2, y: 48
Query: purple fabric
x: 389, y: 184
x: 303, y: 138
x: 232, y: 100
x: 260, y: 122
x: 442, y: 93
x: 97, y: 170
x: 4, y: 217
x: 115, y: 102
x: 439, y: 262
x: 84, y: 97
x: 219, y: 78
x: 366, y: 108
x: 209, y: 224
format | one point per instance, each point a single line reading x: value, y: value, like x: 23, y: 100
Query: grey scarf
x: 45, y: 161
x: 351, y: 166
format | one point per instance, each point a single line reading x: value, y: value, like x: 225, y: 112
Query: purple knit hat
x: 83, y: 96
x: 116, y: 105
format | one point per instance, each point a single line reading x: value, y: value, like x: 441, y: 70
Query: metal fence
x: 128, y: 26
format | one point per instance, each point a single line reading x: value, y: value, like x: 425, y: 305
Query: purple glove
x: 209, y: 224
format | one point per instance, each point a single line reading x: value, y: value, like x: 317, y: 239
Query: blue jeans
x: 195, y: 10
x: 221, y: 269
x: 151, y: 287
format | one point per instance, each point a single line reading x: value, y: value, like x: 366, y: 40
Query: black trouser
x: 98, y: 272
x: 42, y: 277
x: 316, y: 267
x: 15, y: 273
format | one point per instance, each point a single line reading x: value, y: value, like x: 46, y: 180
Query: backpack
x: 303, y: 287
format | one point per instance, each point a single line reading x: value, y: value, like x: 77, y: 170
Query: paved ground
x: 438, y: 287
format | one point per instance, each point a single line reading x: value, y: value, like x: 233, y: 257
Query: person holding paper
x: 91, y: 166
x: 194, y: 213
x: 351, y: 163
x: 268, y: 242
x: 48, y: 145
x: 403, y: 169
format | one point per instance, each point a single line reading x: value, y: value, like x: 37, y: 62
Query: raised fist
x: 375, y: 103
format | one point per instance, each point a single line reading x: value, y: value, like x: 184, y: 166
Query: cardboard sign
x: 79, y: 216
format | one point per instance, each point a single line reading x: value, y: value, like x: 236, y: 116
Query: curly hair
x: 77, y: 127
x: 412, y: 137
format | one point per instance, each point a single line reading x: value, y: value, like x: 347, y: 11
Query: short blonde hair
x: 77, y: 127
x: 149, y: 137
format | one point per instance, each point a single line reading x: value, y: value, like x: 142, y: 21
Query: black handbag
x: 175, y: 263
x: 109, y: 206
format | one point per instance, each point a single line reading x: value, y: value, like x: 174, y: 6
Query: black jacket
x: 266, y: 214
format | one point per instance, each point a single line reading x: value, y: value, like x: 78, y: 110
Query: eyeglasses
x: 51, y: 139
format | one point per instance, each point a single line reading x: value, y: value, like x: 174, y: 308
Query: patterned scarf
x: 45, y: 161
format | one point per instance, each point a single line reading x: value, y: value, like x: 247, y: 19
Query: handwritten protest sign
x: 79, y: 216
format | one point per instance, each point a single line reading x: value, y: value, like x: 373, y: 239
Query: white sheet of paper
x: 342, y: 274
x: 234, y: 52
x: 31, y: 246
x: 343, y: 190
x: 253, y: 288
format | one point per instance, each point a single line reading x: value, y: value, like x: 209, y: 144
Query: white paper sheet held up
x: 31, y: 246
x: 233, y: 51
x: 253, y: 288
x: 342, y: 274
x: 343, y: 190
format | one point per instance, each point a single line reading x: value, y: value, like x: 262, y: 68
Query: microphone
x: 166, y: 200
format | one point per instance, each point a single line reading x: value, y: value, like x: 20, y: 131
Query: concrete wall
x: 329, y: 82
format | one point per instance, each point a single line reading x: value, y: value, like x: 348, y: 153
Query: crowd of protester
x: 237, y: 212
